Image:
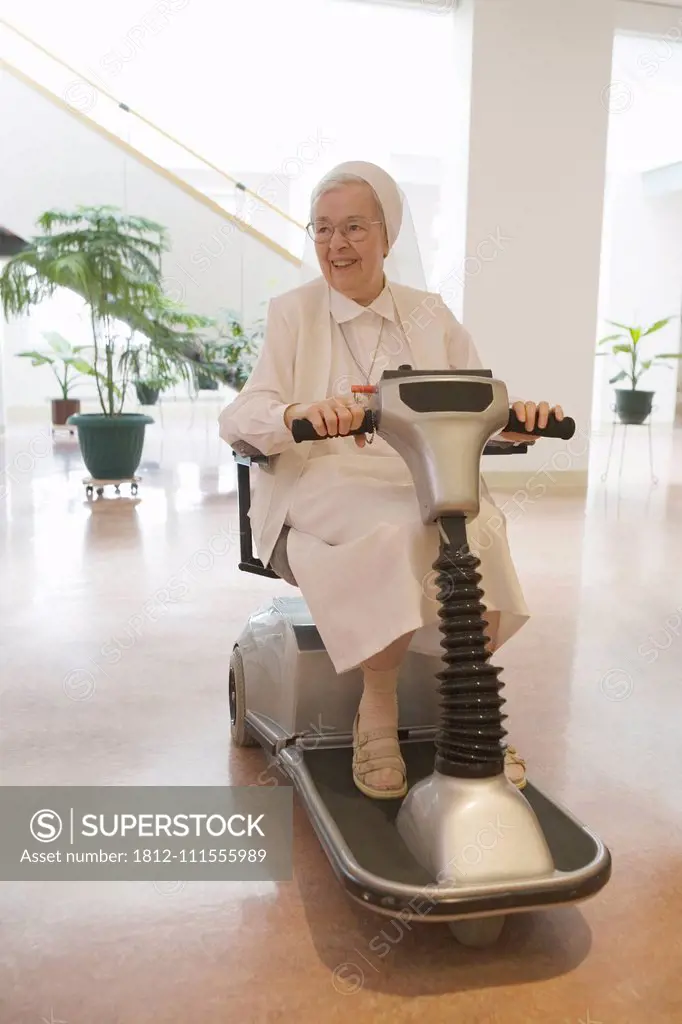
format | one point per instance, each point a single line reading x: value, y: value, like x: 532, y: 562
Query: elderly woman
x: 357, y: 546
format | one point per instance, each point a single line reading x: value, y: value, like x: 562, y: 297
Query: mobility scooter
x: 465, y: 842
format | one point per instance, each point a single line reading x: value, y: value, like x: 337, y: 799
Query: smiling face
x: 353, y: 266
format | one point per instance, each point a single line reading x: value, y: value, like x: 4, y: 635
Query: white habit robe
x: 357, y: 546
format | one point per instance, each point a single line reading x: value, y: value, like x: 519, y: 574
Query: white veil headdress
x: 403, y: 265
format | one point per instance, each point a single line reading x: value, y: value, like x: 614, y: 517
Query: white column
x: 536, y: 144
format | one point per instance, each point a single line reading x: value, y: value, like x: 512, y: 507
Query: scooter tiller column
x: 469, y: 740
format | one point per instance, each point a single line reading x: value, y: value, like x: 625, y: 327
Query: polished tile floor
x: 108, y: 680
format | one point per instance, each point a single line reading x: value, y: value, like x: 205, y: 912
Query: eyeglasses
x: 354, y: 229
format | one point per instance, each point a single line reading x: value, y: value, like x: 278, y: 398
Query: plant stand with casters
x: 62, y: 430
x: 92, y: 485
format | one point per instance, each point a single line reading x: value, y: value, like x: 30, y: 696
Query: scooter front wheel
x: 479, y: 932
x: 241, y: 737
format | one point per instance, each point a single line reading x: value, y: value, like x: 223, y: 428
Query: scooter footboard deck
x: 369, y: 856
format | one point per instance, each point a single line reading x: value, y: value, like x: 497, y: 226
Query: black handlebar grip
x: 303, y: 430
x: 564, y: 429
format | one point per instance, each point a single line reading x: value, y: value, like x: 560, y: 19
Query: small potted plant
x: 67, y: 365
x: 208, y: 369
x: 151, y: 373
x: 230, y: 357
x: 632, y: 404
x: 240, y: 348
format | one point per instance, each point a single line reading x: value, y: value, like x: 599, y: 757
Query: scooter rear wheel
x: 479, y: 932
x: 241, y: 737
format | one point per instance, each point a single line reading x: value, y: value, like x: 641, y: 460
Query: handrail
x: 136, y: 154
x: 124, y: 106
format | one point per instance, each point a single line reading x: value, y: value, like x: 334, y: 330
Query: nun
x: 354, y: 522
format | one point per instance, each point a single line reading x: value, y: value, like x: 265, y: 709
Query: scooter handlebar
x: 303, y: 430
x: 564, y: 429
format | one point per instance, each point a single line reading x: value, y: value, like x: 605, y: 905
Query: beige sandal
x: 366, y: 761
x: 515, y: 768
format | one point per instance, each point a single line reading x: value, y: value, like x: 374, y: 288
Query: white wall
x: 641, y: 283
x: 51, y: 159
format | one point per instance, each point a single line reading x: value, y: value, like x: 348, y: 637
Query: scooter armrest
x: 498, y: 446
x: 245, y: 454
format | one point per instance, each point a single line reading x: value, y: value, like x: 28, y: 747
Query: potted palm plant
x: 113, y: 261
x: 633, y: 405
x: 67, y: 364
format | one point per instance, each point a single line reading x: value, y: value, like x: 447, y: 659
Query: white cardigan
x: 294, y: 366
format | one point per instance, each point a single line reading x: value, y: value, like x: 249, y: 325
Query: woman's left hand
x: 530, y: 414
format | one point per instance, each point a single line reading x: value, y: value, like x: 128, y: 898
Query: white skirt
x: 363, y: 559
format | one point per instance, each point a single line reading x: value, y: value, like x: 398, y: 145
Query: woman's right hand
x: 331, y: 417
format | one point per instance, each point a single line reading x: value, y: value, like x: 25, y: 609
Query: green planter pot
x: 234, y: 379
x: 111, y: 446
x: 146, y: 395
x: 206, y: 383
x: 633, y: 406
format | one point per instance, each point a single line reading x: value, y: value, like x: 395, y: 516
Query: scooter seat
x: 279, y: 560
